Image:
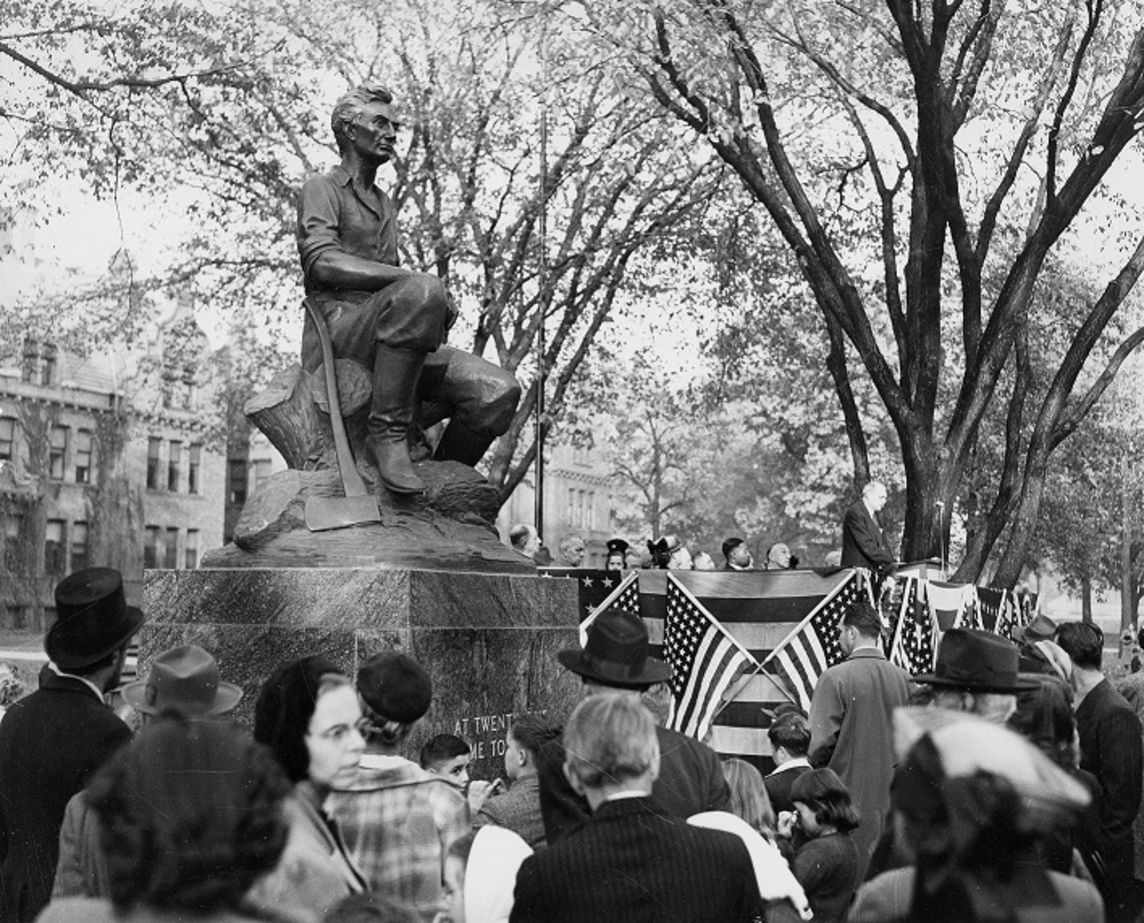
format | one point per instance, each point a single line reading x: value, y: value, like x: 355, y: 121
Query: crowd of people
x: 667, y: 553
x: 1003, y: 785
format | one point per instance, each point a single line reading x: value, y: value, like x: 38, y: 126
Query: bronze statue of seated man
x: 392, y: 320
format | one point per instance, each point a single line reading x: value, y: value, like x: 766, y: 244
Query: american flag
x: 997, y: 613
x: 625, y: 595
x: 704, y: 659
x: 913, y: 645
x: 813, y: 647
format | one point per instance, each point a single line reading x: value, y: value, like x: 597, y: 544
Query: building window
x: 48, y: 369
x: 153, y: 446
x: 83, y: 456
x: 54, y: 547
x: 152, y: 538
x: 14, y: 542
x: 591, y: 524
x: 174, y: 459
x: 237, y: 475
x: 57, y: 452
x: 78, y: 546
x: 188, y: 390
x: 7, y: 438
x: 194, y: 468
x: 171, y: 558
x: 261, y: 472
x: 31, y: 368
x: 191, y: 549
x: 570, y: 513
x: 16, y: 617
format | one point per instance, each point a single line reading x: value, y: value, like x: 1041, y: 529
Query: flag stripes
x: 761, y: 610
x: 704, y: 657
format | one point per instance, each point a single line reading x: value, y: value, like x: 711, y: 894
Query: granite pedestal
x: 488, y: 640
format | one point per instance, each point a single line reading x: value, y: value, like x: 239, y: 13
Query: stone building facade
x: 578, y: 498
x: 102, y: 466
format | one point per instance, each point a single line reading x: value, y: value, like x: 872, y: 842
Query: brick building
x: 105, y: 461
x: 578, y: 498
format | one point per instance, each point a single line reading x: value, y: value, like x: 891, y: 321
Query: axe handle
x: 352, y: 483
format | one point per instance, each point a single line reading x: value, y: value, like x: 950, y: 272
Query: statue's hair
x: 349, y: 107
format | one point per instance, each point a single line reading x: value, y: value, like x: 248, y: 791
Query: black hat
x: 979, y: 661
x: 617, y: 546
x: 616, y: 653
x: 92, y: 618
x: 395, y: 686
x: 1041, y: 628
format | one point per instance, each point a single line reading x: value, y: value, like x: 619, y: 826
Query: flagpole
x: 541, y: 279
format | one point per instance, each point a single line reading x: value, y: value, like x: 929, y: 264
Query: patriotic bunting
x: 914, y: 643
x: 625, y: 596
x: 704, y: 658
x: 804, y: 656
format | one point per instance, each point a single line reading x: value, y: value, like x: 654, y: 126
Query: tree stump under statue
x: 452, y: 526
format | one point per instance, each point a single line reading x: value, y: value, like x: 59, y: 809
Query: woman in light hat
x: 972, y: 799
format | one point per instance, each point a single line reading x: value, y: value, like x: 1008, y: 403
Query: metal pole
x: 542, y: 277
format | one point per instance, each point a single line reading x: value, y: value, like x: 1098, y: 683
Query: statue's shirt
x: 334, y: 215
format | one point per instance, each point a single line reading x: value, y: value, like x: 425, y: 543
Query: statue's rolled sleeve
x: 318, y: 220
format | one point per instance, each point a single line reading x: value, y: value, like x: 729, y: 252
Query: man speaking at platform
x: 391, y: 320
x: 863, y: 542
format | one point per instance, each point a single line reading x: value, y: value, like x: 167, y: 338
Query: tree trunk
x: 1127, y: 609
x: 1086, y: 599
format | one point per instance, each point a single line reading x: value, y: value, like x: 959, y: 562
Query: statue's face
x: 374, y: 133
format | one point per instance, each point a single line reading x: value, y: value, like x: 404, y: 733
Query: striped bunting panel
x: 759, y: 609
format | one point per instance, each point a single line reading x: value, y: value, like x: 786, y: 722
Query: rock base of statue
x: 489, y: 641
x: 452, y: 526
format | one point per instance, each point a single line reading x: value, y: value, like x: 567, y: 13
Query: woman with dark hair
x: 309, y: 717
x: 190, y: 815
x: 826, y: 862
x: 518, y: 809
x: 1045, y: 718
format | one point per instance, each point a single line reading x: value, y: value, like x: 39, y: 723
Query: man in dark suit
x: 790, y: 742
x: 736, y: 555
x: 629, y: 862
x: 54, y: 739
x: 615, y: 660
x: 863, y: 542
x: 1112, y: 749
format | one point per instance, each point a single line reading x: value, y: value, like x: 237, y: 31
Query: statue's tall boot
x: 396, y: 374
x: 460, y: 443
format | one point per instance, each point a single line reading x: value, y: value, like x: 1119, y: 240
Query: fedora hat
x: 92, y: 618
x: 616, y: 653
x: 184, y: 680
x: 1041, y: 628
x: 979, y: 661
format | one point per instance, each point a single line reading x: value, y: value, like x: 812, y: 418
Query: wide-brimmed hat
x: 978, y: 661
x: 616, y: 653
x: 1041, y: 628
x: 395, y: 686
x: 184, y: 680
x: 92, y: 618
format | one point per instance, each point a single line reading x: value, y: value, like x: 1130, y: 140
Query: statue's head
x: 349, y: 108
